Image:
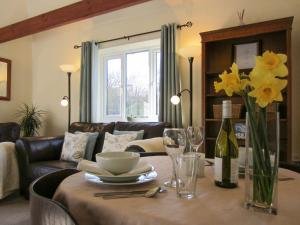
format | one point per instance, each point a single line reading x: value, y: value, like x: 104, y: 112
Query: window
x: 129, y: 82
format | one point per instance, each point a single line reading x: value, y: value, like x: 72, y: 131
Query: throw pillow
x: 74, y: 147
x: 147, y: 145
x: 90, y: 146
x: 117, y: 143
x: 140, y: 133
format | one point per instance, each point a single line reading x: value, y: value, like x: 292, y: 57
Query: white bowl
x: 117, y: 162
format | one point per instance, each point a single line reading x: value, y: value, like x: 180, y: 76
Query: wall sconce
x: 175, y: 99
x: 66, y: 100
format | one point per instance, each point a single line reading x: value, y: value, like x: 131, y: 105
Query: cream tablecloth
x: 213, y: 206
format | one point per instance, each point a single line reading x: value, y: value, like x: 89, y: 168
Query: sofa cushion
x: 94, y: 127
x: 90, y: 145
x: 147, y: 145
x: 151, y: 129
x: 116, y: 143
x: 74, y: 146
x: 140, y: 133
x: 38, y: 169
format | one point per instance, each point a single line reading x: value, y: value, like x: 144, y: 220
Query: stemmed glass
x: 174, y: 140
x: 195, y: 137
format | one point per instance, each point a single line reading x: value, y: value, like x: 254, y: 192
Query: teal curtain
x: 169, y: 77
x: 89, y: 52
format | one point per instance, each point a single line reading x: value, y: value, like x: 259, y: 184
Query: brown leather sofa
x: 41, y: 155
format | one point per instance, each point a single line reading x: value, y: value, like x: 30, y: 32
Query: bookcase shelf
x: 218, y: 55
x: 236, y: 120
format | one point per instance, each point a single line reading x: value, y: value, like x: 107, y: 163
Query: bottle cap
x: 227, y: 109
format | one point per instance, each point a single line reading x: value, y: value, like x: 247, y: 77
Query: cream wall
x: 12, y: 12
x: 54, y: 47
x: 36, y: 7
x: 19, y: 51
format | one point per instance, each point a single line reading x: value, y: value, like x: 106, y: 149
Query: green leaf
x: 30, y: 119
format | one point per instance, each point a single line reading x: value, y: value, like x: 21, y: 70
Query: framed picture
x: 240, y: 130
x: 244, y: 54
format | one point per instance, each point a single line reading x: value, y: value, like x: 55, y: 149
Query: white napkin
x: 141, y: 167
x: 89, y: 166
x: 93, y: 167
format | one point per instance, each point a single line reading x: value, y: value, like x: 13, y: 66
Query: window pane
x: 137, y: 84
x: 157, y: 80
x: 113, y: 82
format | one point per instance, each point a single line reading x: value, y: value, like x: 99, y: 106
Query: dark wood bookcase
x: 217, y: 56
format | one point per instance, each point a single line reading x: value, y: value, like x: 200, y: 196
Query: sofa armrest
x: 147, y: 147
x: 135, y: 148
x: 40, y: 148
x: 35, y: 149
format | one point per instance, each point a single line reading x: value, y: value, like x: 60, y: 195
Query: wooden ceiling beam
x: 65, y: 15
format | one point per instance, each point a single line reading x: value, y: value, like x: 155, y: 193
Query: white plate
x: 140, y: 180
x: 120, y: 179
x: 116, y: 179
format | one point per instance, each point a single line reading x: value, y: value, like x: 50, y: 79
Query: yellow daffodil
x: 268, y: 90
x: 230, y: 82
x: 271, y: 62
x: 263, y: 82
x: 257, y: 80
x: 244, y: 83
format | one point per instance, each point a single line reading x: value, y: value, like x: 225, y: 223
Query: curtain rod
x: 187, y: 24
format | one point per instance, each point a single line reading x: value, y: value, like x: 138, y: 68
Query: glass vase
x: 262, y: 157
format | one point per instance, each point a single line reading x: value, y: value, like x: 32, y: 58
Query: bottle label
x: 234, y: 172
x: 218, y: 169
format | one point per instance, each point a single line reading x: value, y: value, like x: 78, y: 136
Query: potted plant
x: 30, y: 119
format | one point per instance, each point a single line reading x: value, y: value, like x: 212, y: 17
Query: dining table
x: 212, y: 205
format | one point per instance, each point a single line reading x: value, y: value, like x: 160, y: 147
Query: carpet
x: 14, y: 210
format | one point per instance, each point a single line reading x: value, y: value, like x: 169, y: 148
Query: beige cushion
x: 117, y: 143
x: 150, y: 145
x: 74, y: 146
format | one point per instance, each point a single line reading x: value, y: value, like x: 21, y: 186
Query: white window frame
x: 153, y: 46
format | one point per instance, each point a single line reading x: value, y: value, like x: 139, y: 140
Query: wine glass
x: 195, y: 137
x: 174, y: 140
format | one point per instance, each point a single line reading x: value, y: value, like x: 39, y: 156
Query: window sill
x: 143, y: 120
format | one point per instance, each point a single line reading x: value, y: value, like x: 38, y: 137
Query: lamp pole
x: 191, y: 59
x: 66, y: 101
x: 69, y: 99
x: 190, y: 52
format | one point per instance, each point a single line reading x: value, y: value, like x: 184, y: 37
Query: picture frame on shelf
x: 244, y: 54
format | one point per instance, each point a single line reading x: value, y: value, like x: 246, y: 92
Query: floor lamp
x: 190, y: 53
x: 66, y: 100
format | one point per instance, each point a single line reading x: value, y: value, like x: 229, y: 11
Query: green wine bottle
x: 226, y: 151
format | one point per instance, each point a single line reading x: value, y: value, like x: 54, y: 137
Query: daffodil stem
x: 263, y: 177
